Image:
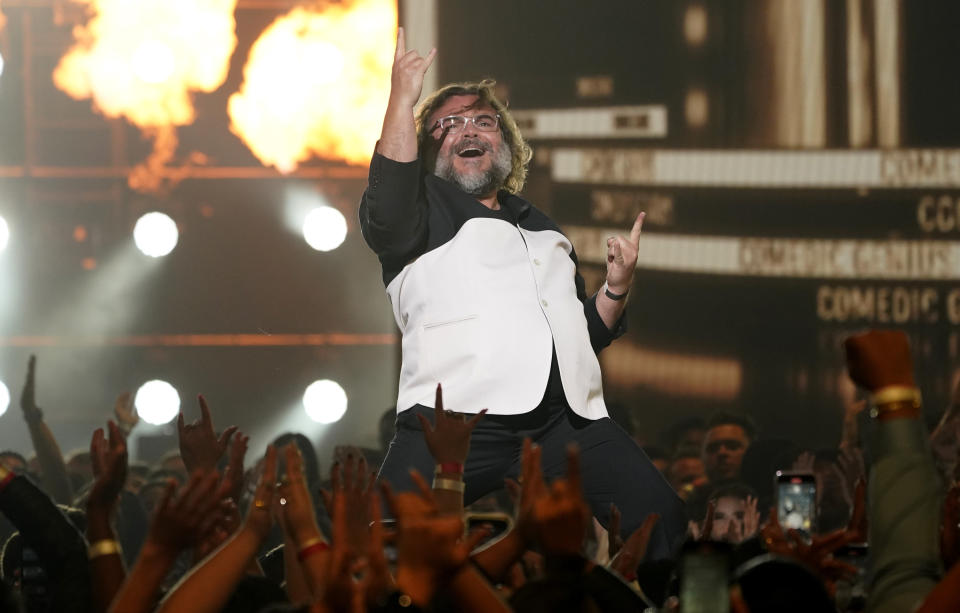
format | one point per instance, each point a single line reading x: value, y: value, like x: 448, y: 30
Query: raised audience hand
x: 259, y: 518
x: 352, y: 480
x: 555, y: 516
x: 341, y: 591
x: 227, y: 521
x: 233, y: 477
x: 634, y: 549
x: 200, y: 447
x: 751, y: 519
x: 430, y: 545
x: 296, y: 509
x: 448, y: 439
x: 879, y: 358
x: 817, y: 554
x: 181, y: 518
x: 704, y: 530
x: 125, y: 413
x: 109, y: 460
x: 28, y: 397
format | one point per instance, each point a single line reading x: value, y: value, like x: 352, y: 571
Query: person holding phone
x: 485, y: 290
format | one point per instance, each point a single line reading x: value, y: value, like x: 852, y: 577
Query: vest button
x: 543, y: 302
x: 536, y: 262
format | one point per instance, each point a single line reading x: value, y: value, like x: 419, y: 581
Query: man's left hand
x: 622, y: 258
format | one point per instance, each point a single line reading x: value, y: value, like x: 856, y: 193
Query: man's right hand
x: 406, y: 80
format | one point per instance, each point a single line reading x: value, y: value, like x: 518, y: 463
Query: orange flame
x: 317, y: 83
x: 143, y: 59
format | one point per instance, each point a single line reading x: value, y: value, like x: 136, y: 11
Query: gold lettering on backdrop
x: 795, y: 257
x: 621, y: 208
x: 920, y: 167
x: 617, y: 166
x: 902, y: 259
x: 953, y: 307
x: 939, y: 213
x: 886, y: 305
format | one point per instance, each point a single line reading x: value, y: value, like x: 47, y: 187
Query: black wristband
x: 611, y: 295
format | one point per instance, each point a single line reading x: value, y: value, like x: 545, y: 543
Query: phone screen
x: 703, y: 583
x: 797, y: 501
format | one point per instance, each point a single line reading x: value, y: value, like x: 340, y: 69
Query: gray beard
x: 478, y: 184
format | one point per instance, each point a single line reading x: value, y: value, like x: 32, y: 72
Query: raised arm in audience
x: 905, y: 490
x: 207, y: 587
x: 305, y: 552
x: 54, y: 477
x: 432, y: 552
x: 109, y: 459
x: 58, y: 544
x: 178, y: 521
x: 448, y: 440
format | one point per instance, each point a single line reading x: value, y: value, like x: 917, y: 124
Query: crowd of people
x: 207, y: 529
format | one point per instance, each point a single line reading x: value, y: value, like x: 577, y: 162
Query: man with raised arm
x: 485, y: 290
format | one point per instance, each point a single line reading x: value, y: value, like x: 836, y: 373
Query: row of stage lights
x: 156, y: 235
x: 157, y: 402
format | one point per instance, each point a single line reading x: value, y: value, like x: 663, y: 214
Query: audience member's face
x: 723, y: 450
x: 729, y: 510
x: 686, y: 472
x: 692, y: 438
x: 662, y: 464
x: 13, y: 463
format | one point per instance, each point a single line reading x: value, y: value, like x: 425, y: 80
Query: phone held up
x: 797, y: 501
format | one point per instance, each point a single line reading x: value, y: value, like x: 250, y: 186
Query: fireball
x: 316, y: 83
x: 144, y: 59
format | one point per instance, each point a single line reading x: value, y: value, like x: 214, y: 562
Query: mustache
x: 473, y: 143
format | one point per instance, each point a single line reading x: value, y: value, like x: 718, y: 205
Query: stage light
x: 1, y: 63
x: 157, y: 402
x: 325, y: 401
x: 696, y: 107
x: 153, y: 62
x: 155, y: 234
x: 4, y: 234
x: 4, y: 398
x: 324, y: 228
x: 695, y: 22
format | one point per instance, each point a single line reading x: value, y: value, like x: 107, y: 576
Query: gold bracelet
x: 896, y: 393
x: 894, y: 407
x: 309, y: 542
x: 449, y: 484
x: 104, y: 547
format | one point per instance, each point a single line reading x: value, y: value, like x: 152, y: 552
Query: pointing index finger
x: 204, y: 412
x: 401, y: 47
x: 635, y: 230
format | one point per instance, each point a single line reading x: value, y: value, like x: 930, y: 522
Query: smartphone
x: 34, y: 585
x: 704, y: 579
x: 499, y: 523
x: 797, y: 501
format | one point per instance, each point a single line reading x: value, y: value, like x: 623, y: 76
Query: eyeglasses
x: 456, y: 123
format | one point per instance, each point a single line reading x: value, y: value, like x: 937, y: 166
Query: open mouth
x: 471, y: 152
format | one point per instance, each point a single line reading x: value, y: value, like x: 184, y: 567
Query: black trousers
x: 614, y: 468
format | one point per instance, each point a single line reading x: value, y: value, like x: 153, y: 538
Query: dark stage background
x: 799, y: 163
